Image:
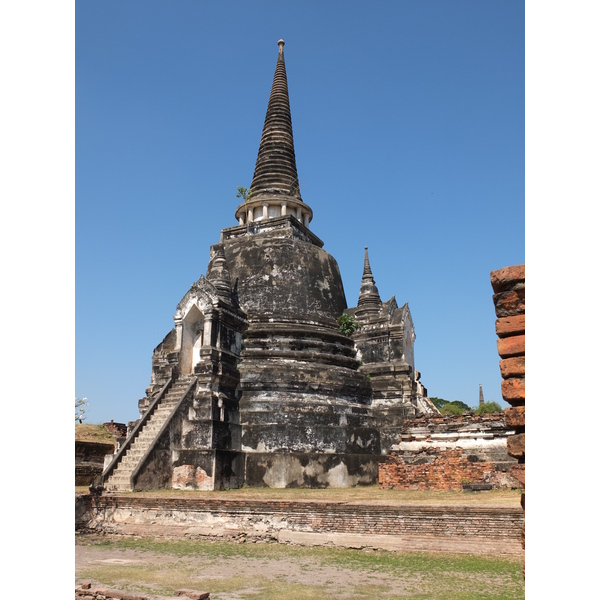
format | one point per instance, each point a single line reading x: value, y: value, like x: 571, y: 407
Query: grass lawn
x: 248, y: 571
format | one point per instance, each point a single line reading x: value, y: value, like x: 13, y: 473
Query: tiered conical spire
x: 275, y: 171
x: 275, y: 191
x: 369, y: 301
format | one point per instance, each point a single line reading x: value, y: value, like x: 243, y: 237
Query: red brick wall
x: 443, y: 452
x: 509, y: 302
x: 448, y: 471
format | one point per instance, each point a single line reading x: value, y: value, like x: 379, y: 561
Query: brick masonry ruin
x: 256, y: 384
x: 509, y: 303
x: 89, y: 460
x: 90, y: 457
x: 450, y: 453
x: 473, y: 529
x: 86, y: 592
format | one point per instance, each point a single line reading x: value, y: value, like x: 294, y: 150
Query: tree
x: 439, y: 402
x: 347, y: 324
x: 487, y: 408
x: 80, y: 406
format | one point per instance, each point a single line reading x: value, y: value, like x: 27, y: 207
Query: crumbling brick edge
x: 86, y: 592
x: 508, y: 285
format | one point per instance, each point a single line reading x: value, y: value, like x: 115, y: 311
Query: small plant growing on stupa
x: 244, y: 193
x: 347, y: 325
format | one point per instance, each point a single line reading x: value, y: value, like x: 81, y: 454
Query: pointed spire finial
x: 367, y: 267
x: 275, y: 189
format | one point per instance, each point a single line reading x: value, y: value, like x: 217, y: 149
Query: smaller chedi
x: 256, y: 384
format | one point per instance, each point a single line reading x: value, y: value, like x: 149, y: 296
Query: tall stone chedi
x: 255, y: 383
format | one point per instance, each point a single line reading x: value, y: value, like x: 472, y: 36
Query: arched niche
x: 192, y: 339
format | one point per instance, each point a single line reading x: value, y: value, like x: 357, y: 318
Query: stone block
x: 503, y: 278
x: 515, y: 446
x: 515, y: 417
x: 511, y: 325
x: 513, y: 390
x: 510, y: 303
x: 512, y: 367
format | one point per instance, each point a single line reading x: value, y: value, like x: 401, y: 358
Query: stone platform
x: 473, y: 529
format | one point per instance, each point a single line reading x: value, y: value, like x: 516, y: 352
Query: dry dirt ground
x: 274, y: 572
x: 304, y: 573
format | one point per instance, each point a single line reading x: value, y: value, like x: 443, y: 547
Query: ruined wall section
x: 448, y: 453
x: 394, y: 526
x: 86, y: 592
x: 89, y: 460
x: 509, y: 302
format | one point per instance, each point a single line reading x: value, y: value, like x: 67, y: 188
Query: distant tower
x: 480, y: 395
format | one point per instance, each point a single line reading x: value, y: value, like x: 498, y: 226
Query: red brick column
x: 509, y: 301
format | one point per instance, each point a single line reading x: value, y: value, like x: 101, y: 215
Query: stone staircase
x: 120, y: 479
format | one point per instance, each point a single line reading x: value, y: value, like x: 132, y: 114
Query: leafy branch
x: 80, y: 406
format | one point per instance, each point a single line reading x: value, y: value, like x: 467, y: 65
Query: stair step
x: 120, y: 476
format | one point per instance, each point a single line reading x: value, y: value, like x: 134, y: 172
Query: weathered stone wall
x: 509, y: 302
x: 447, y: 452
x: 402, y: 527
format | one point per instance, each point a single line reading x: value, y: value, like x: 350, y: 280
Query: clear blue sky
x: 409, y: 129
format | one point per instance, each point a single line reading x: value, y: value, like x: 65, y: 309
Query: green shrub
x: 487, y: 408
x: 451, y: 409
